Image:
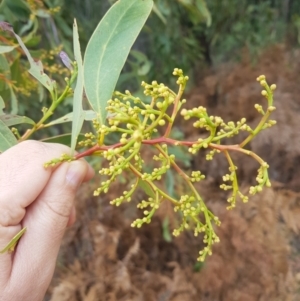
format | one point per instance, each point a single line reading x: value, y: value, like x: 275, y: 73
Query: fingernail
x: 75, y: 174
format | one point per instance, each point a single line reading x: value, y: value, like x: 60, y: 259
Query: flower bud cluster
x: 262, y: 179
x: 121, y: 112
x: 62, y: 158
x: 153, y: 204
x: 199, y: 112
x: 119, y: 161
x: 259, y: 109
x: 209, y: 238
x: 188, y: 206
x: 90, y: 140
x: 243, y: 197
x: 156, y: 90
x: 200, y: 143
x: 158, y: 172
x: 126, y: 195
x: 210, y: 155
x: 184, y: 226
x: 231, y: 129
x: 196, y: 176
x: 232, y: 177
x: 268, y: 91
x: 181, y: 78
x: 269, y: 124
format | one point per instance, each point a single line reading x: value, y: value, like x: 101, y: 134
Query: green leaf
x: 170, y: 183
x: 16, y: 72
x: 108, y: 49
x: 7, y: 71
x: 42, y: 13
x: 166, y: 230
x: 142, y: 63
x: 198, y: 266
x: 63, y: 139
x: 159, y: 14
x: 181, y: 155
x: 11, y: 119
x: 4, y: 48
x: 10, y: 247
x: 7, y: 138
x: 36, y: 67
x: 41, y: 92
x: 4, y: 67
x: 26, y: 28
x: 198, y: 11
x: 19, y: 8
x: 13, y: 101
x: 202, y: 7
x: 88, y: 115
x: 2, y: 106
x: 147, y: 188
x: 78, y: 115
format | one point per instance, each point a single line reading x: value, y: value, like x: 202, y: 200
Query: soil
x: 258, y: 259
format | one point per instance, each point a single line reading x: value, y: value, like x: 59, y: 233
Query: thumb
x: 46, y: 220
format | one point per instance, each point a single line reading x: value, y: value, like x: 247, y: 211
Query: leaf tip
x: 5, y: 26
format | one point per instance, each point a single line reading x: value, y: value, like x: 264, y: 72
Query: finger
x: 23, y: 177
x: 72, y: 217
x: 46, y: 220
x: 90, y: 172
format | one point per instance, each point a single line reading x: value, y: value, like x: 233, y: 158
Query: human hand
x: 41, y: 200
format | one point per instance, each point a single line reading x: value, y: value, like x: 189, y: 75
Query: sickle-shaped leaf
x: 7, y: 138
x: 159, y: 14
x: 4, y: 48
x: 108, y: 49
x: 36, y: 67
x: 11, y: 119
x: 88, y: 115
x: 78, y: 114
x: 147, y: 188
x: 63, y: 139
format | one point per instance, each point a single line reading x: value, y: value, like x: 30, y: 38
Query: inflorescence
x: 137, y: 124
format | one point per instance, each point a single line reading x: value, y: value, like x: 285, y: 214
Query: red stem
x: 96, y: 148
x: 160, y: 140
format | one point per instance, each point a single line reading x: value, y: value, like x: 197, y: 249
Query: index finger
x: 23, y: 177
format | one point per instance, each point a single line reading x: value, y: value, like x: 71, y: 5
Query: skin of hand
x: 41, y: 200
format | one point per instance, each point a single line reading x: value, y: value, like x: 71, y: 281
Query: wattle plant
x: 138, y: 124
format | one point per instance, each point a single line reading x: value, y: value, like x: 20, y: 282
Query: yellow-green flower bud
x: 184, y: 112
x: 159, y: 105
x: 264, y: 93
x: 161, y: 122
x: 263, y: 83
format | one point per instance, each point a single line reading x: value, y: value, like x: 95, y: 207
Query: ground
x: 258, y: 259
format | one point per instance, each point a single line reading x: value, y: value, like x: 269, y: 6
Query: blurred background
x: 223, y: 46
